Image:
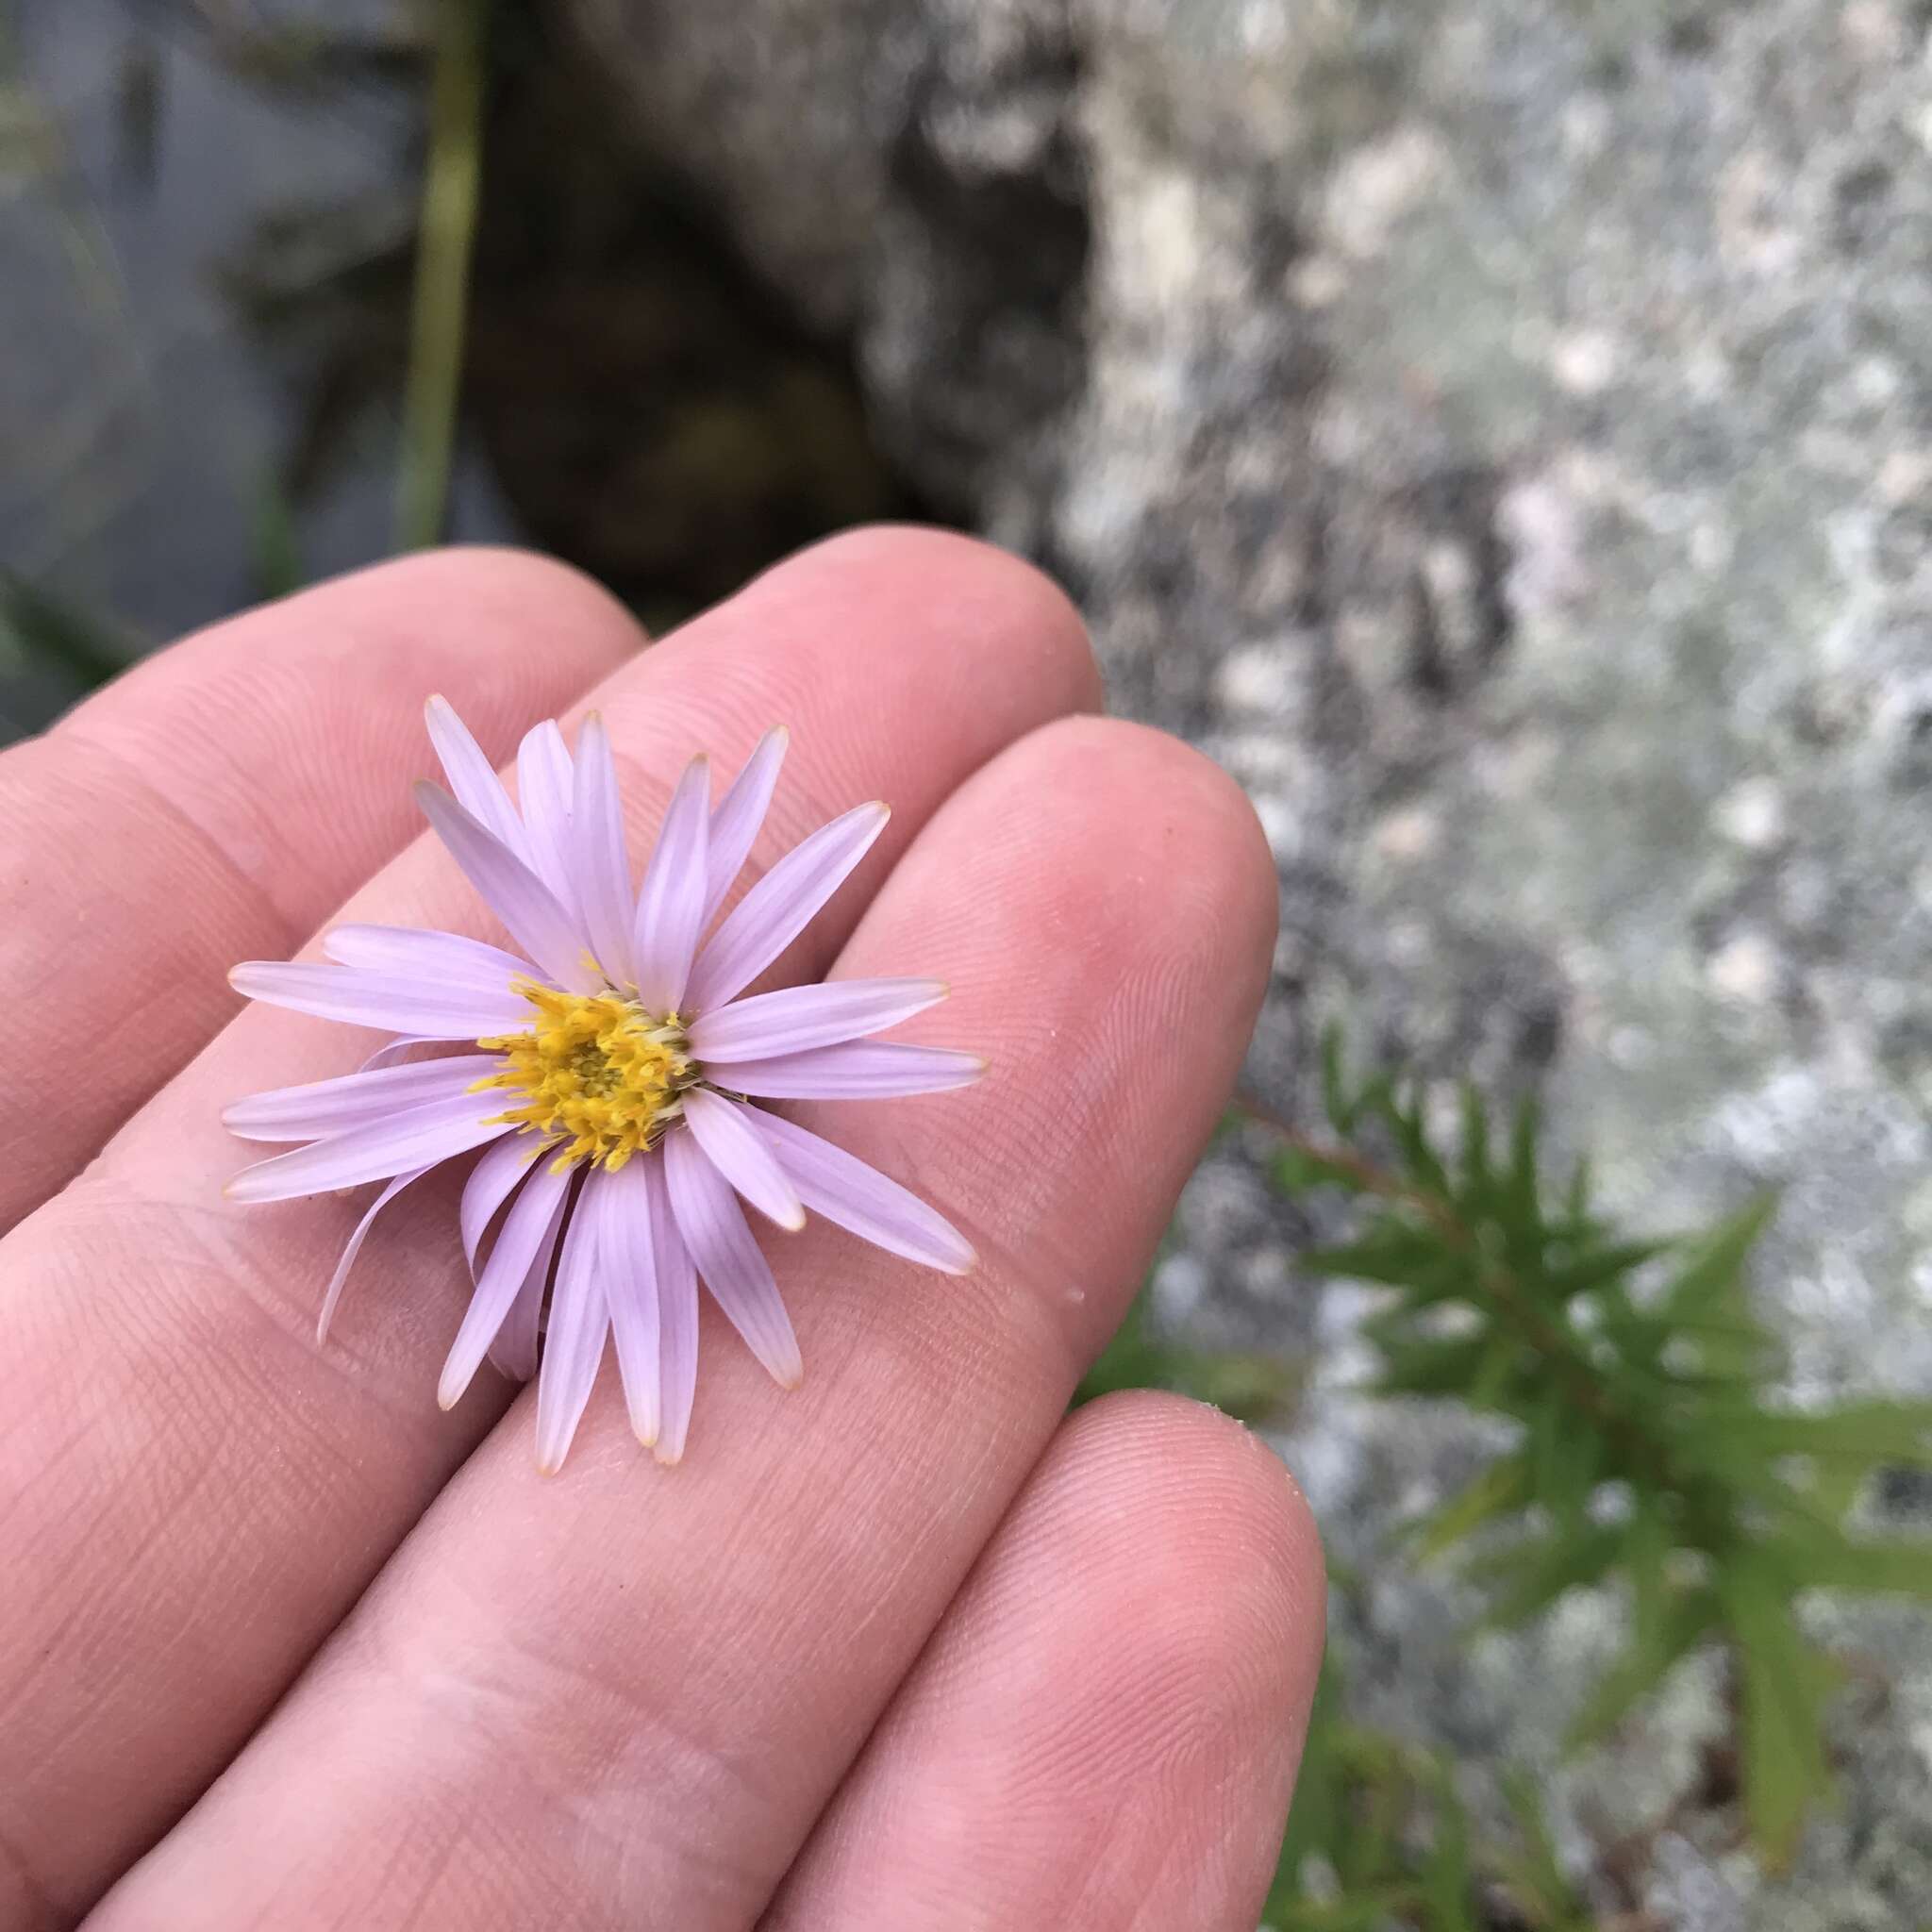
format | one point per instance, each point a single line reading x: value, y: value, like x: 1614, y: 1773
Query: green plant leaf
x: 1335, y: 1101
x: 1533, y: 1576
x: 1597, y: 1267
x: 1296, y: 1169
x: 1411, y: 1134
x: 1499, y: 1488
x: 1392, y: 1252
x: 1565, y: 1451
x: 1576, y: 1196
x: 1520, y: 1206
x: 1646, y: 1561
x: 1867, y: 1433
x: 1716, y: 1264
x: 1431, y: 1368
x: 1878, y: 1566
x: 1447, y: 1879
x: 36, y: 625
x: 1784, y: 1683
x: 1534, y: 1878
x: 1686, y: 1618
x: 277, y: 541
x: 1477, y: 1179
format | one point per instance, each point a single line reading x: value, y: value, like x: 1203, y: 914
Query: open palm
x: 282, y: 1645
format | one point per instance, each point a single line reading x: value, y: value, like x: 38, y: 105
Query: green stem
x: 441, y: 307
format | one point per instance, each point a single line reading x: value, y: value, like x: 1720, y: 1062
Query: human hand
x: 904, y: 1648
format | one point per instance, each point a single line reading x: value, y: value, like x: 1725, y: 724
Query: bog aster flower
x: 610, y: 1075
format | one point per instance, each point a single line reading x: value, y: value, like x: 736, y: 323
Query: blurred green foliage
x: 1379, y: 1837
x: 1649, y: 1456
x: 1254, y: 1386
x: 446, y: 241
x: 1649, y: 1453
x: 37, y: 626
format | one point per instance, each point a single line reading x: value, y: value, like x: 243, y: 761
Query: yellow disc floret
x: 596, y: 1075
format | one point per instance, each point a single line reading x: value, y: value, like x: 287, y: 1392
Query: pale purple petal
x: 514, y: 1351
x: 714, y: 1229
x: 800, y: 1017
x: 740, y: 812
x: 859, y: 1069
x: 677, y: 1318
x: 355, y: 1100
x: 627, y: 1252
x: 491, y: 1183
x: 393, y: 1049
x: 780, y: 907
x: 671, y: 903
x: 574, y: 1341
x: 530, y: 911
x: 534, y: 1213
x: 445, y: 956
x: 389, y: 1000
x: 601, y: 860
x: 843, y: 1188
x: 723, y: 1128
x: 545, y: 787
x: 352, y: 1246
x: 417, y: 1137
x: 472, y: 778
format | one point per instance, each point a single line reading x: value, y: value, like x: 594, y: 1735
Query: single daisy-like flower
x: 610, y: 1077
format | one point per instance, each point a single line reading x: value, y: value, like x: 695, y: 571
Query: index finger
x: 218, y: 801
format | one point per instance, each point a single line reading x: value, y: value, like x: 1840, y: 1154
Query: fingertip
x: 1233, y: 1511
x: 1012, y: 606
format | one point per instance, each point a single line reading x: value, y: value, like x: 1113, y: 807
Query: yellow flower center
x: 596, y: 1075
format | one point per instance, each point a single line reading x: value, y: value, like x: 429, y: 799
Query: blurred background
x: 1499, y: 431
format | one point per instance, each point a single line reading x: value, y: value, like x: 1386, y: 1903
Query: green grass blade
x: 440, y: 310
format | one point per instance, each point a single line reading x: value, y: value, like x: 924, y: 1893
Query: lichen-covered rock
x: 1501, y: 432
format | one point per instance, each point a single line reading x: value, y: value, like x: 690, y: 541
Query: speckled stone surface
x: 1500, y: 433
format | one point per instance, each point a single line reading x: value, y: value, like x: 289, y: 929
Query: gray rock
x: 1501, y: 432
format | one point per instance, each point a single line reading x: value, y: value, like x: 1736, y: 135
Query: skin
x: 284, y: 1646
